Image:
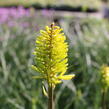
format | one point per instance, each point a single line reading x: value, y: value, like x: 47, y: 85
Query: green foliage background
x: 88, y: 50
x: 88, y: 40
x: 73, y: 3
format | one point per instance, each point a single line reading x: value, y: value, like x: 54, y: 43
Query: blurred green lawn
x: 88, y: 50
x: 73, y: 3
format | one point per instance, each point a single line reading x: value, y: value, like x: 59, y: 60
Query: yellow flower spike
x: 104, y: 84
x: 50, y: 56
x: 105, y: 76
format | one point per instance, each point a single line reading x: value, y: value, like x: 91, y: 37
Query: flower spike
x: 50, y: 56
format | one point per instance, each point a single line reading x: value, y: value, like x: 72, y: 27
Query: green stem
x: 50, y: 98
x: 104, y: 99
x: 50, y: 86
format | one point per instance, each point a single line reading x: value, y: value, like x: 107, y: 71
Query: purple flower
x: 11, y: 24
x: 25, y: 24
x: 47, y: 13
x: 7, y: 14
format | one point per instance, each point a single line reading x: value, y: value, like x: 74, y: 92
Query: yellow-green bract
x: 105, y: 76
x: 50, y: 55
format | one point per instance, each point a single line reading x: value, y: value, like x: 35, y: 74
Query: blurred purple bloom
x: 11, y: 23
x: 25, y: 24
x: 47, y: 13
x: 12, y: 13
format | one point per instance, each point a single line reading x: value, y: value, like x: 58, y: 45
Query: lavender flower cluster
x: 22, y: 17
x: 12, y: 13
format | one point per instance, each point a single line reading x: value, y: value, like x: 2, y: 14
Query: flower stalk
x: 104, y: 99
x: 50, y: 98
x: 104, y: 84
x: 50, y: 59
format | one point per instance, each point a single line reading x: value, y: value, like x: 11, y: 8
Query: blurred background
x: 86, y: 26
